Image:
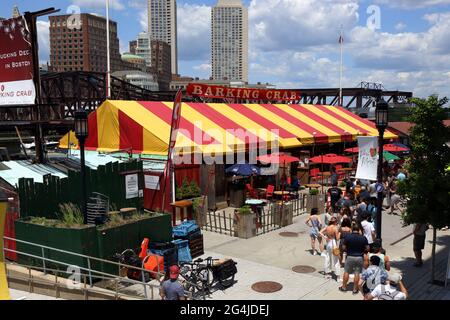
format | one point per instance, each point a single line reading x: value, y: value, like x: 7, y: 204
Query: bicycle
x: 196, y: 276
x: 201, y: 275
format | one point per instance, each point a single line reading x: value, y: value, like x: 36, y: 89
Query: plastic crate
x: 184, y: 253
x: 185, y: 228
x: 190, y: 236
x: 169, y: 255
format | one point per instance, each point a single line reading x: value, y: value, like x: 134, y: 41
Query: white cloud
x: 203, y: 67
x: 143, y: 19
x: 287, y: 24
x: 194, y: 32
x: 400, y: 26
x: 43, y: 32
x: 98, y: 4
x: 412, y: 4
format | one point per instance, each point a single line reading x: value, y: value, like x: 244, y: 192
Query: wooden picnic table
x: 185, y: 206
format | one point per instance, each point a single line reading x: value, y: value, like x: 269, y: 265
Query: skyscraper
x: 229, y: 40
x: 162, y: 25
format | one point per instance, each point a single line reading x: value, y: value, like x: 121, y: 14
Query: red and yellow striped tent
x: 144, y: 127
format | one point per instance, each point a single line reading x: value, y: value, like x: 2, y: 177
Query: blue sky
x: 294, y: 43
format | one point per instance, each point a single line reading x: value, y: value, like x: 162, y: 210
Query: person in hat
x: 171, y: 289
x: 393, y: 289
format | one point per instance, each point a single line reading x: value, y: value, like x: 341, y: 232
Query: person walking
x: 394, y: 289
x: 372, y: 276
x: 367, y: 228
x: 315, y: 224
x: 356, y: 246
x: 345, y: 228
x: 378, y: 251
x: 335, y: 194
x: 330, y: 235
x: 419, y: 233
x: 171, y: 289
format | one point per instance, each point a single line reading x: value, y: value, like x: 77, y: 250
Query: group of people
x: 347, y: 239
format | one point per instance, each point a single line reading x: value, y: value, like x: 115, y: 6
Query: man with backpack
x: 373, y: 275
x: 394, y: 289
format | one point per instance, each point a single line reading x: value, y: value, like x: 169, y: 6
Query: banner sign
x: 16, y: 63
x: 368, y: 158
x: 204, y: 90
x: 131, y: 186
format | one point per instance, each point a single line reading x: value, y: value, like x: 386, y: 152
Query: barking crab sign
x: 16, y: 63
x: 209, y: 91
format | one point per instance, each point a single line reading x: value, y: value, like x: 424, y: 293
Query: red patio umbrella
x: 278, y: 157
x: 393, y: 148
x: 330, y: 158
x: 352, y: 150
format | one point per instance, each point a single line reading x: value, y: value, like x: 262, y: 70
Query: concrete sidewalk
x: 270, y: 257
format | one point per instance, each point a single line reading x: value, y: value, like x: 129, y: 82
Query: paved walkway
x: 270, y: 257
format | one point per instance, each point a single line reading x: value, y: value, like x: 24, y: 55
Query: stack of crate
x: 196, y: 245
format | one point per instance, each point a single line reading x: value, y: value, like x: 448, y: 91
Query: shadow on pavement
x: 418, y: 279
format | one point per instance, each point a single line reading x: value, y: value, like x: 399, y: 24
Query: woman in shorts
x: 315, y: 224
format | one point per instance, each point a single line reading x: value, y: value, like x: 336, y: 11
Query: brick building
x: 161, y: 63
x: 82, y: 46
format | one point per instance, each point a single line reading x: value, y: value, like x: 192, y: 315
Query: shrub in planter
x: 314, y: 192
x: 244, y: 223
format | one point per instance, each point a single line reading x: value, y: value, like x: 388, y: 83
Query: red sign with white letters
x: 16, y: 63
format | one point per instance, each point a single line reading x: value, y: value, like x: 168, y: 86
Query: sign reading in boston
x: 204, y: 90
x: 16, y: 63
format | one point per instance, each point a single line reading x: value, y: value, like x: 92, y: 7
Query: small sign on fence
x: 131, y: 186
x: 152, y: 182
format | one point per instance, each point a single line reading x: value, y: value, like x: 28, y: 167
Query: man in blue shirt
x: 171, y: 289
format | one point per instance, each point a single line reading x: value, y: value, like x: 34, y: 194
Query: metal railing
x: 91, y: 272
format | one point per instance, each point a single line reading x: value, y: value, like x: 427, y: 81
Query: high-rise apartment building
x: 82, y: 47
x: 143, y: 48
x: 162, y: 25
x: 229, y: 40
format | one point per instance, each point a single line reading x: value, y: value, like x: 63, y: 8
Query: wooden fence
x: 43, y: 199
x: 223, y: 222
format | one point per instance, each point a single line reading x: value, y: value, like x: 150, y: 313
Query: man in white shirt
x: 368, y: 229
x: 393, y: 290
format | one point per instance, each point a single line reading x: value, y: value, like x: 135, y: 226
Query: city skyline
x: 409, y: 52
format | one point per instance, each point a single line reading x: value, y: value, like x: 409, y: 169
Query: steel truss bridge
x: 63, y: 93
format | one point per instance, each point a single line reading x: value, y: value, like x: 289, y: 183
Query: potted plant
x: 282, y: 213
x: 315, y: 200
x: 244, y: 223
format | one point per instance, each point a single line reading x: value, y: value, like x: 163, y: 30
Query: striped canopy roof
x: 144, y: 127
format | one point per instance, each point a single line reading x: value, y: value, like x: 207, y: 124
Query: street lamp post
x: 381, y: 122
x: 81, y: 132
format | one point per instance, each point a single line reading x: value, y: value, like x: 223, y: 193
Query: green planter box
x: 129, y: 236
x: 156, y: 228
x: 91, y: 241
x: 82, y: 241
